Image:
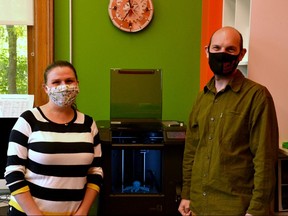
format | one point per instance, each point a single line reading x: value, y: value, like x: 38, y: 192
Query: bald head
x: 228, y: 33
x: 226, y: 39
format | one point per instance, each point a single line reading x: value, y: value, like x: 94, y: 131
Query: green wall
x: 171, y: 43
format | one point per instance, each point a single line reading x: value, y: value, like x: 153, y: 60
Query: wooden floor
x: 281, y: 213
x: 3, y: 210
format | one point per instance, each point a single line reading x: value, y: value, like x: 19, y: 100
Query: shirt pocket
x: 233, y: 127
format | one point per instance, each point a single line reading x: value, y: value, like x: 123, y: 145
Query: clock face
x: 131, y: 15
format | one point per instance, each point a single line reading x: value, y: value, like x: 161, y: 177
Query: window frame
x: 40, y: 48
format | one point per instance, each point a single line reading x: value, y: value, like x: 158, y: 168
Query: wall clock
x: 131, y: 15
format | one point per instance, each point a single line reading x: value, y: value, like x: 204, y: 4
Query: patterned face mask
x: 63, y: 95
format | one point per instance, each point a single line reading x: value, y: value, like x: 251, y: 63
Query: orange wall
x: 268, y: 54
x: 211, y: 21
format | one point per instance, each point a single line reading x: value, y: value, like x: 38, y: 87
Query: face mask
x: 223, y: 64
x: 63, y: 95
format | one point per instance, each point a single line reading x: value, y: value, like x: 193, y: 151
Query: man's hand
x: 184, y: 207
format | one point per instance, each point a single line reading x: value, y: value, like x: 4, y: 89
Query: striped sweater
x: 56, y: 162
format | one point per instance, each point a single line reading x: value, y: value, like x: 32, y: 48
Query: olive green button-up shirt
x: 231, y: 150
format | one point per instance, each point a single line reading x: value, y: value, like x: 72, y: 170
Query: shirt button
x: 204, y: 194
x: 212, y: 119
x: 210, y: 137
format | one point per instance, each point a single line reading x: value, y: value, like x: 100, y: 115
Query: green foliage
x: 22, y: 60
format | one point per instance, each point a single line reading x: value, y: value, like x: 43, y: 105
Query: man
x: 232, y: 139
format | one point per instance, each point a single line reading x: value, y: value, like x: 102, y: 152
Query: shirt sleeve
x: 191, y: 143
x: 264, y: 144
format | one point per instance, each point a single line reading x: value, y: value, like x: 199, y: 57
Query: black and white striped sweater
x: 56, y: 162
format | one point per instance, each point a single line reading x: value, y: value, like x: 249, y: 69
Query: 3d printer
x: 142, y: 154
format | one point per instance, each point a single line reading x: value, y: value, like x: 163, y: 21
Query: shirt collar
x: 235, y: 83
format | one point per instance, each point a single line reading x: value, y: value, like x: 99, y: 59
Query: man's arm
x: 264, y: 144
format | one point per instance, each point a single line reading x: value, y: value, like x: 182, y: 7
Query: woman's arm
x: 87, y: 202
x: 27, y: 203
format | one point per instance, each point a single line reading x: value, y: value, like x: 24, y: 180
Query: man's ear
x: 207, y: 51
x: 242, y: 54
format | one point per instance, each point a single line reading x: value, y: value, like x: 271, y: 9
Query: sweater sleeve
x: 17, y: 155
x: 95, y: 173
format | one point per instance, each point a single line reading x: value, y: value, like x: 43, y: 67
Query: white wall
x: 268, y: 54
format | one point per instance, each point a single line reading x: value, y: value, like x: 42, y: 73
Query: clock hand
x: 128, y: 10
x: 126, y: 15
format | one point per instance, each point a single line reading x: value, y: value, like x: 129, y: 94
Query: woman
x: 54, y: 153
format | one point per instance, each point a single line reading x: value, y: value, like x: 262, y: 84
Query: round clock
x: 131, y: 15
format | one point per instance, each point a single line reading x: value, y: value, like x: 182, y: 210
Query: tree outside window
x: 13, y: 59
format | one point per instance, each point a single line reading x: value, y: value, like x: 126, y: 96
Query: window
x: 13, y: 59
x: 40, y: 43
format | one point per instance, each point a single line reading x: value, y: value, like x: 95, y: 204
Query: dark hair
x: 59, y: 63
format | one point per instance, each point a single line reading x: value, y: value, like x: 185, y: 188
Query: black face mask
x: 223, y: 64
